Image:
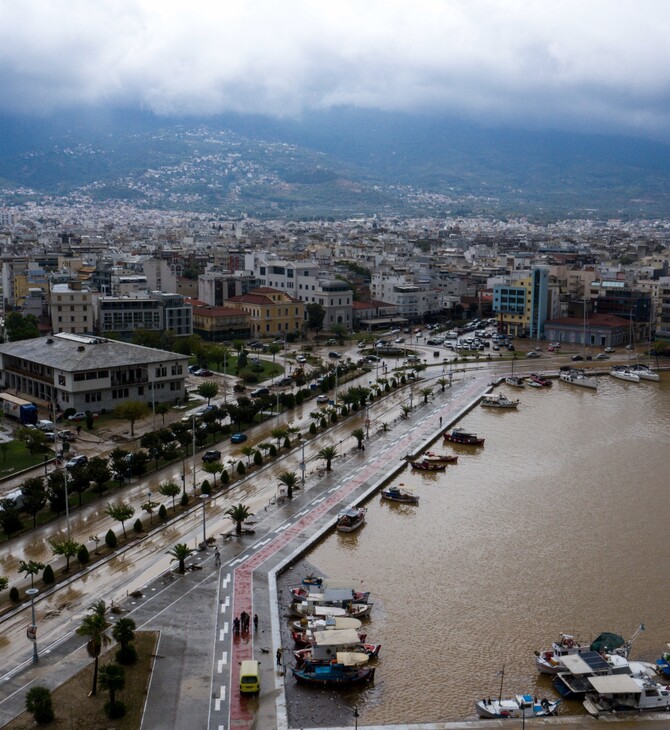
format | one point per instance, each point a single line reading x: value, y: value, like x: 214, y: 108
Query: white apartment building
x: 154, y: 311
x: 71, y: 309
x: 413, y: 297
x: 308, y: 282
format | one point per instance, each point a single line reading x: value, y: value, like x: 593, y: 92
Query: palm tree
x: 443, y: 382
x: 328, y: 453
x: 94, y: 627
x: 290, y: 480
x: 406, y: 410
x: 359, y: 435
x: 112, y: 679
x: 238, y: 514
x: 124, y: 632
x: 426, y: 393
x: 180, y: 552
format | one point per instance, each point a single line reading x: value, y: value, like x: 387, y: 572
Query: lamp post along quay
x: 31, y: 632
x: 193, y: 431
x: 204, y: 498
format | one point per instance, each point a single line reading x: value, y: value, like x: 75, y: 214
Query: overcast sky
x: 570, y: 64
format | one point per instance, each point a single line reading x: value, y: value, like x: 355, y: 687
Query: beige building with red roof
x: 271, y: 312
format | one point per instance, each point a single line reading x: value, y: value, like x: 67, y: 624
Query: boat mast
x: 502, y: 677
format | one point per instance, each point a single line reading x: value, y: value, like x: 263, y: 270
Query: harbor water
x: 558, y: 524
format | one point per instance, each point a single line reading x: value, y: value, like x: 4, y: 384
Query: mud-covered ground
x: 309, y: 706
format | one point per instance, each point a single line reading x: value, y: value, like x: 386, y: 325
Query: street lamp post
x: 356, y: 716
x: 302, y: 463
x: 193, y: 431
x: 32, y: 630
x: 204, y: 498
x: 67, y: 501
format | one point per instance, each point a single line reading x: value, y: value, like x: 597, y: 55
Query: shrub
x: 39, y: 705
x: 272, y: 450
x: 14, y: 594
x: 184, y: 499
x: 225, y: 477
x: 82, y: 555
x: 48, y: 576
x: 287, y: 443
x: 137, y: 525
x: 162, y: 512
x: 258, y: 458
x: 323, y: 423
x: 241, y: 469
x: 115, y: 709
x: 299, y: 398
x: 345, y: 411
x: 333, y: 417
x: 248, y: 376
x: 206, y: 487
x: 110, y: 539
x: 312, y: 428
x: 126, y: 655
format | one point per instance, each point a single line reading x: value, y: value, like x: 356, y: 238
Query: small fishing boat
x: 350, y: 519
x: 550, y: 661
x: 518, y: 706
x: 398, y: 494
x: 326, y: 644
x: 335, y: 592
x: 327, y: 623
x: 371, y: 651
x: 498, y: 400
x: 312, y: 580
x: 620, y: 694
x: 463, y: 437
x: 428, y: 465
x: 515, y: 381
x: 663, y: 664
x: 578, y: 377
x: 305, y: 639
x: 443, y: 458
x: 343, y: 671
x: 308, y: 608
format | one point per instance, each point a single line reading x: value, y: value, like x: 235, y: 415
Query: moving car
x: 259, y: 392
x: 322, y: 398
x: 285, y: 381
x: 211, y: 455
x: 75, y: 461
x: 238, y: 438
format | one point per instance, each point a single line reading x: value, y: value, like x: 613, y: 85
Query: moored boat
x: 578, y: 377
x: 550, y: 661
x: 623, y: 373
x: 428, y: 465
x: 350, y: 519
x: 463, y: 437
x: 663, y: 664
x: 538, y: 379
x: 337, y: 673
x: 398, y: 494
x: 644, y: 372
x: 443, y: 458
x: 325, y: 624
x: 622, y: 694
x: 518, y: 706
x: 515, y: 381
x: 499, y: 400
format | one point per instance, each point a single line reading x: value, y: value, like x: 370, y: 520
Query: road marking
x: 303, y: 513
x: 282, y: 528
x: 220, y: 664
x: 261, y: 543
x: 333, y: 489
x: 226, y: 580
x: 221, y: 698
x: 223, y: 631
x: 319, y: 500
x: 226, y: 603
x: 240, y: 560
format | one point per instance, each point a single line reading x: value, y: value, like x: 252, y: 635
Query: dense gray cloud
x: 575, y: 64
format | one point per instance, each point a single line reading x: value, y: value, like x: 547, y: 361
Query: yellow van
x: 250, y: 676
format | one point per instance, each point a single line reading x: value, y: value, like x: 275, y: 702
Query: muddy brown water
x: 559, y: 523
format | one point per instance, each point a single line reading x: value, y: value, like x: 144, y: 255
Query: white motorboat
x: 350, y: 519
x: 518, y: 706
x: 621, y: 694
x: 326, y: 624
x: 645, y: 373
x: 498, y: 400
x: 578, y: 377
x: 550, y: 661
x: 515, y: 381
x: 624, y: 373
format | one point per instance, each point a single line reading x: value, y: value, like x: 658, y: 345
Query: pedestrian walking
x: 279, y: 653
x: 255, y: 623
x: 217, y: 558
x: 440, y: 421
x: 78, y: 430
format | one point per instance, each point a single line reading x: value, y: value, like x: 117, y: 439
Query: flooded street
x: 557, y: 524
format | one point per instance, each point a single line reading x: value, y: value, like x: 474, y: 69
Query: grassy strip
x: 75, y: 710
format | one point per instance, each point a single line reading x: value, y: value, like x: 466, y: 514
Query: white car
x: 301, y: 358
x: 323, y: 398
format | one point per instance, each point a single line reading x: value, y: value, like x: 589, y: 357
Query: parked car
x: 203, y: 373
x: 609, y: 349
x: 301, y: 358
x: 67, y: 435
x: 193, y: 369
x: 238, y: 438
x: 532, y: 353
x: 576, y: 358
x: 602, y: 356
x: 78, y: 416
x: 211, y: 455
x: 45, y: 425
x: 334, y: 355
x: 285, y: 381
x: 75, y: 461
x: 260, y: 392
x: 323, y: 398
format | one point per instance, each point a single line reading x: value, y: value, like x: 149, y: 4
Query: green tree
x: 20, y: 327
x: 94, y: 627
x: 315, y: 316
x: 248, y: 451
x: 10, y: 519
x: 171, y: 490
x: 426, y: 393
x: 4, y: 582
x: 180, y: 552
x: 213, y: 468
x: 113, y: 680
x: 359, y: 435
x: 34, y: 495
x: 131, y: 411
x: 328, y: 453
x: 40, y: 705
x: 66, y: 547
x: 56, y: 491
x: 209, y: 390
x: 162, y: 409
x: 98, y: 471
x: 124, y: 633
x: 279, y: 433
x: 443, y: 382
x: 33, y: 438
x: 120, y: 512
x: 238, y: 514
x: 30, y: 568
x: 290, y: 480
x: 150, y: 506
